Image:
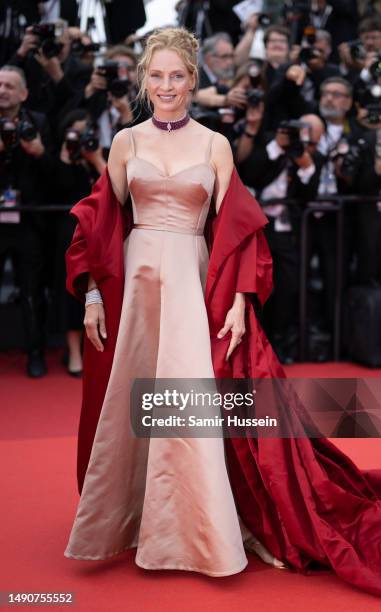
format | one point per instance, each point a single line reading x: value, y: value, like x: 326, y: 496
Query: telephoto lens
x: 8, y: 133
x: 27, y: 131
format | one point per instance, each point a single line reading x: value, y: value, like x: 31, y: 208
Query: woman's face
x: 168, y: 82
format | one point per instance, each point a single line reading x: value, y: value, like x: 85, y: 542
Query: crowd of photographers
x: 299, y: 98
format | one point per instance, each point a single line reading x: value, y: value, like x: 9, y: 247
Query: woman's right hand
x: 95, y: 325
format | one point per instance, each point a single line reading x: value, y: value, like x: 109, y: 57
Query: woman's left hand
x: 235, y: 321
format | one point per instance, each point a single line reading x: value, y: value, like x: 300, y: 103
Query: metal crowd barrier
x: 328, y: 204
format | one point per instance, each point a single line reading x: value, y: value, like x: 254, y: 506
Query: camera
x: 254, y: 97
x: 356, y: 49
x: 375, y: 68
x: 264, y: 20
x: 11, y: 132
x: 47, y: 34
x: 79, y: 49
x: 309, y: 53
x: 351, y: 155
x: 75, y: 141
x: 298, y: 136
x: 374, y: 113
x: 116, y: 86
x: 369, y: 98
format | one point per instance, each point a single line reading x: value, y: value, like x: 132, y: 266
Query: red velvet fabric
x: 302, y: 498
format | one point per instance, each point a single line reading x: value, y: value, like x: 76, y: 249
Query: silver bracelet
x: 93, y: 297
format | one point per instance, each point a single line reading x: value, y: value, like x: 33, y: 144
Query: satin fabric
x: 156, y: 495
x: 304, y: 499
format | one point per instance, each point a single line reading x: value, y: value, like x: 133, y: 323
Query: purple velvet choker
x: 170, y: 125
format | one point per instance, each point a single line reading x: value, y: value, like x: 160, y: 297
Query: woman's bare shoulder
x: 221, y: 153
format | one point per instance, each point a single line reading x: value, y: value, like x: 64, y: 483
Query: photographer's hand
x: 97, y: 83
x: 51, y: 65
x: 338, y: 162
x: 122, y: 105
x: 297, y: 74
x: 370, y: 59
x: 34, y: 147
x: 28, y: 43
x: 304, y: 161
x: 253, y: 121
x: 236, y: 97
x: 95, y: 158
x: 282, y: 139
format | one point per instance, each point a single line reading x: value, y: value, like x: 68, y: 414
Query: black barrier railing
x: 327, y: 204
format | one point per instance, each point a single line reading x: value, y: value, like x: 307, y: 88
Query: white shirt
x: 211, y: 76
x: 51, y: 11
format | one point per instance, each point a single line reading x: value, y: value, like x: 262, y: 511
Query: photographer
x: 110, y: 95
x: 72, y: 174
x: 216, y: 74
x: 358, y: 55
x: 287, y: 165
x: 313, y: 56
x: 56, y: 79
x: 83, y: 47
x: 229, y: 120
x: 296, y: 86
x: 339, y: 147
x: 366, y: 180
x: 23, y: 171
x: 277, y: 47
x: 339, y: 18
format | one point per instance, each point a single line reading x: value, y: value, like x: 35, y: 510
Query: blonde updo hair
x: 177, y: 39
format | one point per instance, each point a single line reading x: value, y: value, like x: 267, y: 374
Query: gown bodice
x: 177, y: 202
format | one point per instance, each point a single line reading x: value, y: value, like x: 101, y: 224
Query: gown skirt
x: 169, y: 497
x: 172, y: 498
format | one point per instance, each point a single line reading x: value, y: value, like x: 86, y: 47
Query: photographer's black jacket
x: 46, y: 96
x: 26, y: 173
x: 258, y: 171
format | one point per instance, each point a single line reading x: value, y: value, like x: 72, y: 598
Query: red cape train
x: 304, y: 499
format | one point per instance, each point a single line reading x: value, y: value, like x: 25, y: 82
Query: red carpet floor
x: 38, y: 424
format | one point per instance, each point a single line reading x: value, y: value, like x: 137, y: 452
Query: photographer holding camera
x: 276, y: 166
x: 365, y: 177
x: 56, y: 78
x: 110, y: 95
x: 358, y: 55
x: 216, y: 75
x: 340, y: 146
x: 72, y: 174
x: 23, y: 172
x: 295, y: 88
x: 276, y: 42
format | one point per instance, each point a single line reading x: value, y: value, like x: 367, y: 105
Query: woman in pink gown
x: 171, y: 498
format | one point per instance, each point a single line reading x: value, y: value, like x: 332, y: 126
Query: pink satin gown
x: 169, y: 497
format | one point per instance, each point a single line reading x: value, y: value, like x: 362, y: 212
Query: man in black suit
x: 275, y: 171
x: 217, y: 73
x: 23, y: 171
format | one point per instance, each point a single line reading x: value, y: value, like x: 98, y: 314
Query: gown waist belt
x: 169, y: 228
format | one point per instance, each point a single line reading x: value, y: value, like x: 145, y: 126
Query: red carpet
x: 38, y: 424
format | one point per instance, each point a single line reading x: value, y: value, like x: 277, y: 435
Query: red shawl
x: 303, y: 499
